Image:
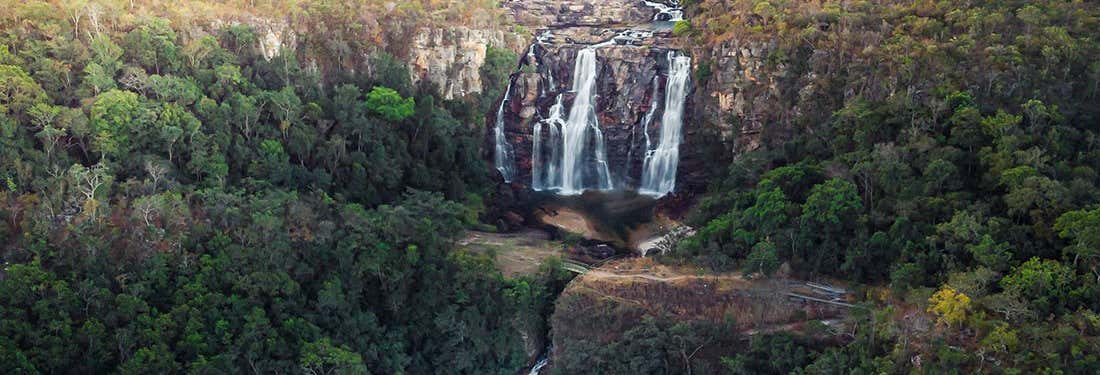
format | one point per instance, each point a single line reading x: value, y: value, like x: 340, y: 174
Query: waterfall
x: 568, y: 149
x: 504, y: 157
x: 659, y: 171
x: 581, y: 122
x: 553, y: 175
x: 646, y: 120
x: 537, y: 181
x: 543, y: 360
x: 545, y: 175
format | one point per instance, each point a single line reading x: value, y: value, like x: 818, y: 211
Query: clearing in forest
x: 514, y: 254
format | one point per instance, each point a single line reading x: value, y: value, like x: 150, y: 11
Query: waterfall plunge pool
x: 622, y: 219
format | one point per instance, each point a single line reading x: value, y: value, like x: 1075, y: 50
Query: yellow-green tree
x: 949, y: 306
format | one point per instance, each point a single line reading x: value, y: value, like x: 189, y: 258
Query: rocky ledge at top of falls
x: 632, y: 54
x: 594, y: 13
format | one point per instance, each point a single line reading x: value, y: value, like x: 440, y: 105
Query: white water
x: 504, y: 155
x: 581, y: 124
x: 569, y: 154
x: 545, y: 175
x: 672, y: 13
x: 648, y: 119
x: 659, y: 170
x: 649, y: 115
x: 543, y: 360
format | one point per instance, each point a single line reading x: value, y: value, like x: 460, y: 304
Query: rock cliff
x: 632, y: 44
x: 451, y: 58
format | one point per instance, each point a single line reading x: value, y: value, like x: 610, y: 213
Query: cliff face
x: 451, y: 58
x: 631, y: 73
x: 727, y: 107
x: 630, y: 95
x: 742, y: 91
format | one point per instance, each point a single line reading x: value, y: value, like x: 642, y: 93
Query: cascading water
x: 568, y: 150
x: 545, y: 175
x: 577, y: 130
x: 572, y: 161
x: 504, y: 155
x: 665, y: 12
x: 659, y: 170
x: 646, y: 120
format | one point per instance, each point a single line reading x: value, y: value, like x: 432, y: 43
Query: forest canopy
x: 174, y: 199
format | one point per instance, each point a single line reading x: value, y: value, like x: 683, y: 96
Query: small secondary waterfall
x: 504, y: 155
x: 659, y: 170
x: 542, y: 362
x: 646, y: 120
x: 545, y: 175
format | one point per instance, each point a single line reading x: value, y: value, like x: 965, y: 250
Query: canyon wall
x: 614, y: 57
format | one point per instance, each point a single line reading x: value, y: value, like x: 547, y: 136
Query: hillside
x: 463, y: 187
x: 626, y: 315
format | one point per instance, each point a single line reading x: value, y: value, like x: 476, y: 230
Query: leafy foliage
x: 175, y: 202
x: 949, y: 153
x: 388, y: 104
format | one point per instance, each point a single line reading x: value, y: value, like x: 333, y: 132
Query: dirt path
x: 601, y: 274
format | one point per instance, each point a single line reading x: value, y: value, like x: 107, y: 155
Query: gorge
x: 549, y: 186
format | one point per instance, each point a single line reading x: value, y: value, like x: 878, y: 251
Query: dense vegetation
x: 175, y: 198
x: 173, y: 201
x: 948, y: 153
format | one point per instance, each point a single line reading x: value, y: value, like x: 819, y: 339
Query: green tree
x: 1046, y: 284
x: 834, y: 204
x: 152, y: 45
x: 323, y: 358
x: 770, y: 212
x: 762, y: 260
x: 389, y: 104
x: 115, y: 115
x: 1082, y: 227
x: 18, y: 91
x: 829, y: 221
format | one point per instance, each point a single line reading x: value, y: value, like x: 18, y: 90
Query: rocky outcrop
x: 742, y: 91
x: 538, y: 14
x: 273, y: 35
x: 451, y: 58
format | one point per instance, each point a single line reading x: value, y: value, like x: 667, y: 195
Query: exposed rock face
x: 451, y: 59
x: 273, y: 34
x: 743, y: 87
x: 632, y: 72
